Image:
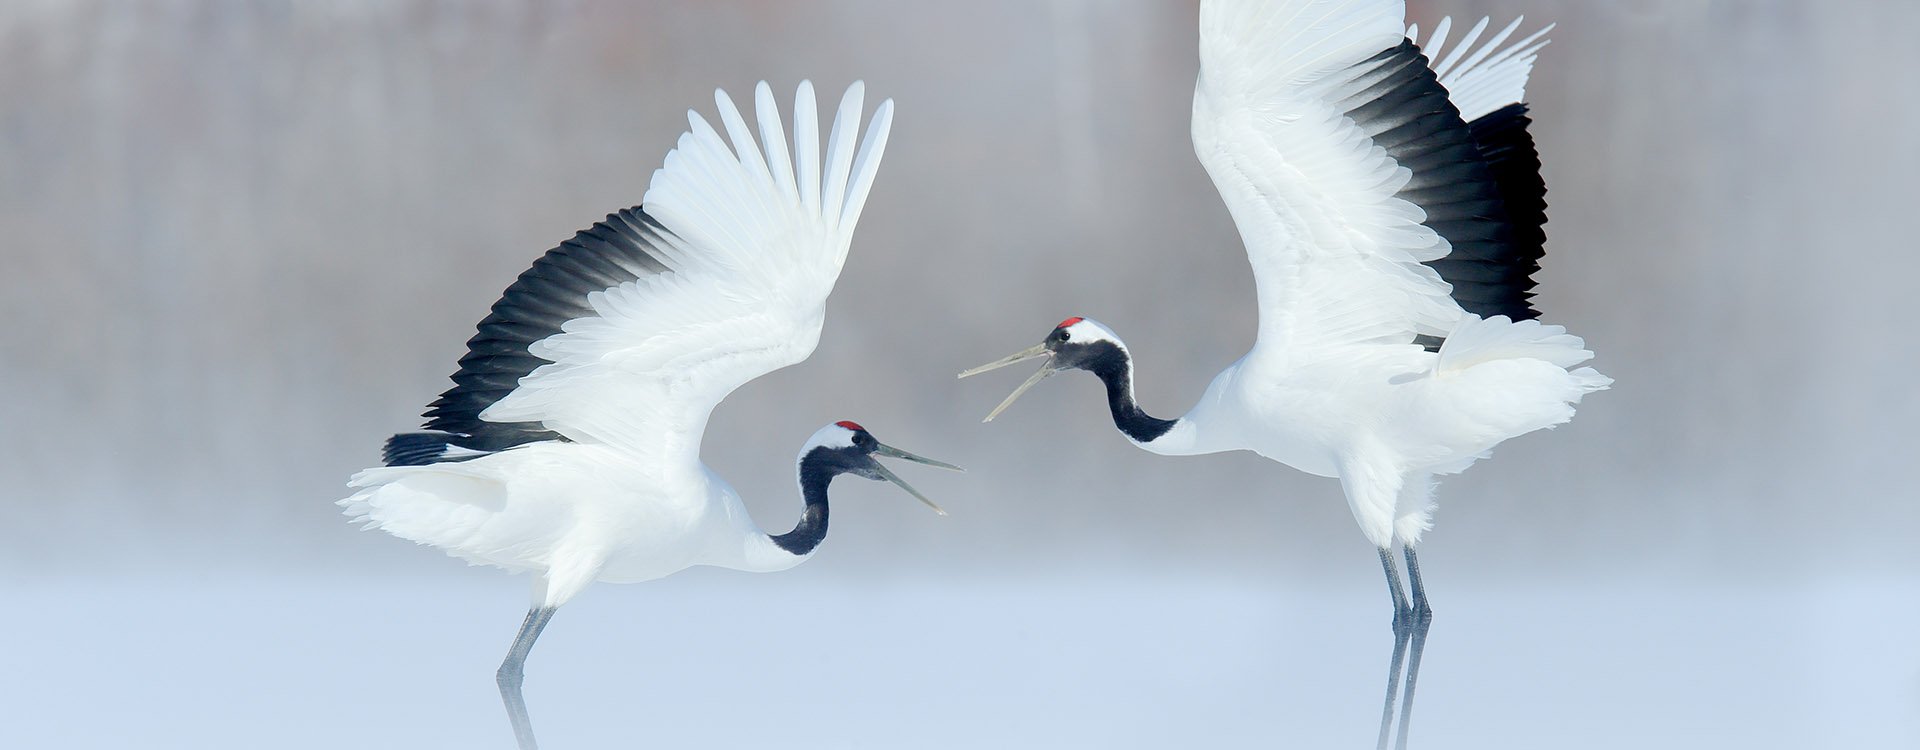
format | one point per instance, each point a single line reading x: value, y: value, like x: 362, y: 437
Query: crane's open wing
x: 1371, y: 210
x: 631, y: 332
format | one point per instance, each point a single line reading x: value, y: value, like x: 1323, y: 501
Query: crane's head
x: 845, y: 447
x: 1075, y: 344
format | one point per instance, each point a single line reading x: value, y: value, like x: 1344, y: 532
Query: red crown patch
x: 1070, y: 321
x: 851, y: 425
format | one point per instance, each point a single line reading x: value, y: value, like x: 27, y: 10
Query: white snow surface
x: 720, y: 659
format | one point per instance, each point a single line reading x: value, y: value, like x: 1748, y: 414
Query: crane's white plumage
x: 748, y: 241
x: 751, y: 271
x: 1335, y: 384
x: 569, y: 443
x: 1391, y: 212
x: 1336, y: 254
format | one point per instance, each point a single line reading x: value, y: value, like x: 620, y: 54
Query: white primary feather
x: 752, y: 250
x: 1481, y: 80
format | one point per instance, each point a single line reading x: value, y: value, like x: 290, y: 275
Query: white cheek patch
x: 830, y: 436
x: 1088, y: 331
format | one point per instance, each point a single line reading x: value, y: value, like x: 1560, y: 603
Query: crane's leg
x: 511, y: 671
x: 1401, y: 620
x: 1422, y: 616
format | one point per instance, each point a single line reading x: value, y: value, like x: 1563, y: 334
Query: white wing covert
x: 1348, y: 172
x: 629, y: 334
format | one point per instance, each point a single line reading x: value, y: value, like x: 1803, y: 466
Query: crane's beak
x: 1037, y: 350
x: 889, y: 451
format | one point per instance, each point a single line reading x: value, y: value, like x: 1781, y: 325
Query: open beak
x: 887, y: 474
x: 1037, y: 350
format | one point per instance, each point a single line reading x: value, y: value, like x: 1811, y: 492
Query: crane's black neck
x: 1115, y: 368
x: 815, y: 474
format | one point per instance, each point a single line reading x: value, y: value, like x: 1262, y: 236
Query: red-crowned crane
x: 569, y: 445
x: 1392, y: 212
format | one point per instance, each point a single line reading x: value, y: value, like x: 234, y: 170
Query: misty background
x: 245, y: 242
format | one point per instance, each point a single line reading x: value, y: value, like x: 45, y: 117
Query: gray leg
x: 1400, y: 632
x: 1421, y: 611
x: 1400, y: 607
x: 1422, y: 617
x: 512, y: 670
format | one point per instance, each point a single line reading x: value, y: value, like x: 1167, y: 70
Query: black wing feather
x: 550, y: 293
x: 1479, y: 184
x: 1503, y: 140
x: 420, y: 449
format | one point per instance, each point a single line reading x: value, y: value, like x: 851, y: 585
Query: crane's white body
x: 1383, y: 421
x: 753, y: 242
x: 572, y: 513
x: 1335, y: 385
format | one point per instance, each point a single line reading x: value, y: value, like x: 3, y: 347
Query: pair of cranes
x: 1391, y: 206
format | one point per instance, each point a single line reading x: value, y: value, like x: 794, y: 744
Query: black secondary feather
x: 420, y: 449
x: 1479, y: 185
x: 551, y: 292
x: 1503, y: 140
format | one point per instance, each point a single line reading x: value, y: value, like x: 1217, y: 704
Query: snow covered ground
x: 719, y: 659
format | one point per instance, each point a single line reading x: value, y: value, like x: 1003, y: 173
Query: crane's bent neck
x: 1114, y: 367
x: 814, y: 478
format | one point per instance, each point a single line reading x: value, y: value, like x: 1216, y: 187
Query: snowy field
x: 720, y: 659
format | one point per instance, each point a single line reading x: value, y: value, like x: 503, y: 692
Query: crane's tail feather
x: 1475, y: 340
x: 437, y: 506
x: 1501, y: 379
